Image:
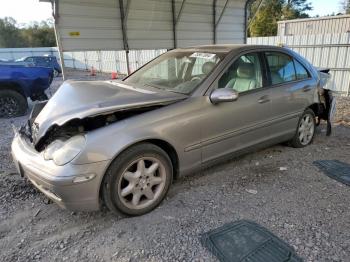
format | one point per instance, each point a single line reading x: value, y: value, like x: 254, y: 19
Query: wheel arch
x: 13, y: 86
x: 315, y: 108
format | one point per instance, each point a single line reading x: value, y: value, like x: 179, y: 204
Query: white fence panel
x: 327, y: 51
x: 103, y: 61
x: 16, y: 53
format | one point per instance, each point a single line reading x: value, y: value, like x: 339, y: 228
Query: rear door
x: 291, y: 90
x: 232, y: 126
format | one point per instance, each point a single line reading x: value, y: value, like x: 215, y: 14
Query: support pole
x: 58, y: 39
x: 176, y: 18
x: 125, y: 37
x: 246, y: 17
x: 214, y: 21
x: 127, y: 61
x: 174, y: 22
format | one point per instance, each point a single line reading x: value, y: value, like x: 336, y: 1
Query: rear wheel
x: 138, y: 180
x: 305, y: 130
x: 12, y: 103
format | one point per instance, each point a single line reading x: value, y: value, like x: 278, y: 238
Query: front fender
x: 108, y: 142
x: 179, y: 125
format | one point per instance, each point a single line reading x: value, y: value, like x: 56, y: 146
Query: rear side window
x: 300, y: 70
x: 281, y: 67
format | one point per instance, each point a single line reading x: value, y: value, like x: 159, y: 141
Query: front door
x: 233, y: 126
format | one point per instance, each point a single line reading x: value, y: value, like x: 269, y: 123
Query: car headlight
x: 62, y: 152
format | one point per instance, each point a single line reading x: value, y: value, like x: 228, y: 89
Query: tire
x: 12, y: 103
x: 129, y: 185
x: 305, y: 133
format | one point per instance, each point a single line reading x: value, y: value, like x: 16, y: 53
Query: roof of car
x: 226, y: 48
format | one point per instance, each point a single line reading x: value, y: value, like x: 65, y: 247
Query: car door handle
x: 306, y: 88
x: 264, y: 99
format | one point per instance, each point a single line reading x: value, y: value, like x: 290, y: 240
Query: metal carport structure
x: 83, y: 25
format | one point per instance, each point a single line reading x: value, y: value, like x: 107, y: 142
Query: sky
x: 25, y: 11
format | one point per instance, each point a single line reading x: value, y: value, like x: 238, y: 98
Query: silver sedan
x: 122, y: 143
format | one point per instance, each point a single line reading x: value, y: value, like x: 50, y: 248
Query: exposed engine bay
x: 75, y: 126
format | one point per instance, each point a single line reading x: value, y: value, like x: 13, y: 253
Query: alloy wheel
x: 306, y: 129
x: 142, y: 182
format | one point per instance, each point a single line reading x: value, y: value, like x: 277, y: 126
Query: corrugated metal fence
x: 328, y: 51
x: 315, y: 26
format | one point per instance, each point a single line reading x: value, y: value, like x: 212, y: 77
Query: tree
x: 296, y: 9
x: 39, y: 34
x: 32, y: 35
x: 266, y: 13
x: 345, y: 6
x: 265, y: 21
x: 10, y: 35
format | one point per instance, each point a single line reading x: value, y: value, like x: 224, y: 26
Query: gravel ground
x: 300, y: 205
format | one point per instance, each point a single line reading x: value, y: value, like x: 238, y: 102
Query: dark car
x: 43, y: 61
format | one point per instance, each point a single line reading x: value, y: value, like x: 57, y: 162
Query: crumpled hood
x: 80, y: 99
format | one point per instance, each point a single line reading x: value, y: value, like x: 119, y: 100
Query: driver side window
x: 244, y: 74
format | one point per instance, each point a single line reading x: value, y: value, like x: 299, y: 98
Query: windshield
x: 177, y: 71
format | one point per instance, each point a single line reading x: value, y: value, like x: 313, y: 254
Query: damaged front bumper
x: 73, y: 187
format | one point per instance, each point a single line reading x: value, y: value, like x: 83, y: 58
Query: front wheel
x: 138, y: 180
x: 306, y: 129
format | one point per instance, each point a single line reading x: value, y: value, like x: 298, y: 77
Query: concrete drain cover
x: 335, y: 169
x: 247, y: 241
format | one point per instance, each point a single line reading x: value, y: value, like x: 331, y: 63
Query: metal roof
x: 147, y: 24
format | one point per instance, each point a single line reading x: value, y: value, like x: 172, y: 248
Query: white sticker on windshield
x: 203, y: 55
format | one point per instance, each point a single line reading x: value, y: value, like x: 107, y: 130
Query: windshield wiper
x: 165, y: 89
x: 147, y: 84
x: 177, y: 92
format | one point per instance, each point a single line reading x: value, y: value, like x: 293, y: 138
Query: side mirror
x: 223, y: 95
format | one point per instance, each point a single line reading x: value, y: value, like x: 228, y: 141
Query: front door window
x: 244, y: 74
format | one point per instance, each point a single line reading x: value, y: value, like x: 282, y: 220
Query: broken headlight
x: 62, y: 152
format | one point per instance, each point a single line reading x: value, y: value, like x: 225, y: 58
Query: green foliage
x: 32, y: 35
x: 263, y: 21
x: 10, y: 35
x: 346, y: 6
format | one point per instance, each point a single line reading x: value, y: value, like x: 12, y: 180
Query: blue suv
x: 43, y: 61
